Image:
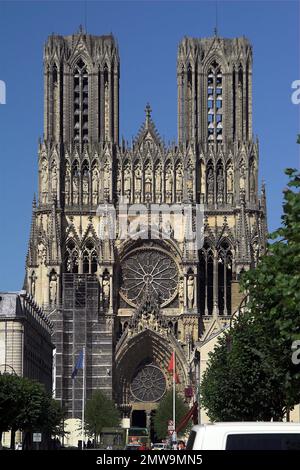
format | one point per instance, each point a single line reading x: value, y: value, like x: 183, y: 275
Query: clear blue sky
x: 148, y: 34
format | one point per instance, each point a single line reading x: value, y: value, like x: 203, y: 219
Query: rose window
x: 149, y: 384
x: 152, y: 269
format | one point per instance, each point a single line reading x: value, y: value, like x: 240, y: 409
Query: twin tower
x: 82, y: 74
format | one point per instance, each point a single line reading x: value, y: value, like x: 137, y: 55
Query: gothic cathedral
x: 133, y: 300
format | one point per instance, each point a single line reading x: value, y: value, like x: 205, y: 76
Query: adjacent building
x: 26, y: 347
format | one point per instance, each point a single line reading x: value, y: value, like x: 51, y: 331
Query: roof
x: 10, y: 305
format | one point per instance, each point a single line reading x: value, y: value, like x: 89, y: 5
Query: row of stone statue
x: 138, y: 185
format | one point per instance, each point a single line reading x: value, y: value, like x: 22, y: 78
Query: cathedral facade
x: 127, y: 294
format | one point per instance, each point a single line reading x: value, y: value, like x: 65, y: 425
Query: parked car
x: 245, y: 436
x: 159, y: 446
x: 132, y: 447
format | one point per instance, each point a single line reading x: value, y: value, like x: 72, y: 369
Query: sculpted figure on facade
x: 54, y: 179
x: 158, y: 182
x: 230, y: 178
x: 75, y: 187
x: 190, y: 290
x: 210, y: 185
x: 189, y: 183
x: 127, y: 181
x: 68, y: 185
x: 41, y: 253
x: 179, y: 183
x: 95, y: 185
x: 169, y: 184
x: 33, y: 279
x: 106, y: 179
x: 138, y: 182
x: 242, y: 175
x: 53, y: 288
x: 44, y: 181
x: 181, y: 290
x: 148, y: 180
x: 85, y: 188
x: 202, y: 178
x: 220, y: 185
x: 106, y: 289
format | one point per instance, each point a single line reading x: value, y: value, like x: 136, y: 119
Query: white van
x: 245, y: 436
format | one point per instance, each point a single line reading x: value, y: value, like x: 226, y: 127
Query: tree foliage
x: 250, y: 375
x: 25, y: 405
x: 164, y: 413
x: 100, y: 412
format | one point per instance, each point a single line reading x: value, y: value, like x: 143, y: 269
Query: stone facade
x: 132, y: 300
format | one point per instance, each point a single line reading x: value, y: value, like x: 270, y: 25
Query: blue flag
x: 78, y: 365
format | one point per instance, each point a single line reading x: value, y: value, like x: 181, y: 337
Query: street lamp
x: 5, y: 366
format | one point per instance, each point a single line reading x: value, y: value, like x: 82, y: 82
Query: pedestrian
x: 181, y: 445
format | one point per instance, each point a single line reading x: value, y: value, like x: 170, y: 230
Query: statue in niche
x: 138, y: 183
x: 242, y: 175
x: 75, y: 189
x: 95, y: 185
x: 67, y: 186
x: 127, y: 181
x: 169, y: 184
x: 54, y: 180
x: 33, y: 278
x: 53, y: 288
x: 190, y: 291
x: 189, y: 177
x: 85, y: 189
x: 106, y: 176
x: 148, y: 179
x: 44, y: 181
x: 210, y: 182
x: 202, y: 179
x: 106, y: 289
x: 179, y: 180
x: 158, y: 182
x: 181, y: 290
x: 41, y: 253
x: 230, y: 179
x: 220, y: 183
x: 119, y: 180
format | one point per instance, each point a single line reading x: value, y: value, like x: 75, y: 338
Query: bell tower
x: 81, y: 95
x: 214, y: 78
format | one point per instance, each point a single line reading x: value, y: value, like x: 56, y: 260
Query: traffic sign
x: 37, y: 437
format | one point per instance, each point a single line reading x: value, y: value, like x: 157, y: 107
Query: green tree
x: 100, y: 412
x: 164, y: 413
x: 10, y: 401
x: 26, y: 406
x: 250, y: 374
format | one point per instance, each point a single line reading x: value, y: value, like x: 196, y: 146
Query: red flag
x: 171, y: 365
x: 171, y: 368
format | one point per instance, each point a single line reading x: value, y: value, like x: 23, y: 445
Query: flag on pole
x: 78, y: 365
x: 172, y: 369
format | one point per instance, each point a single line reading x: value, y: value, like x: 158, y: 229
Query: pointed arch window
x: 89, y: 258
x: 81, y: 102
x: 206, y: 277
x: 224, y: 278
x: 71, y: 257
x: 215, y: 103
